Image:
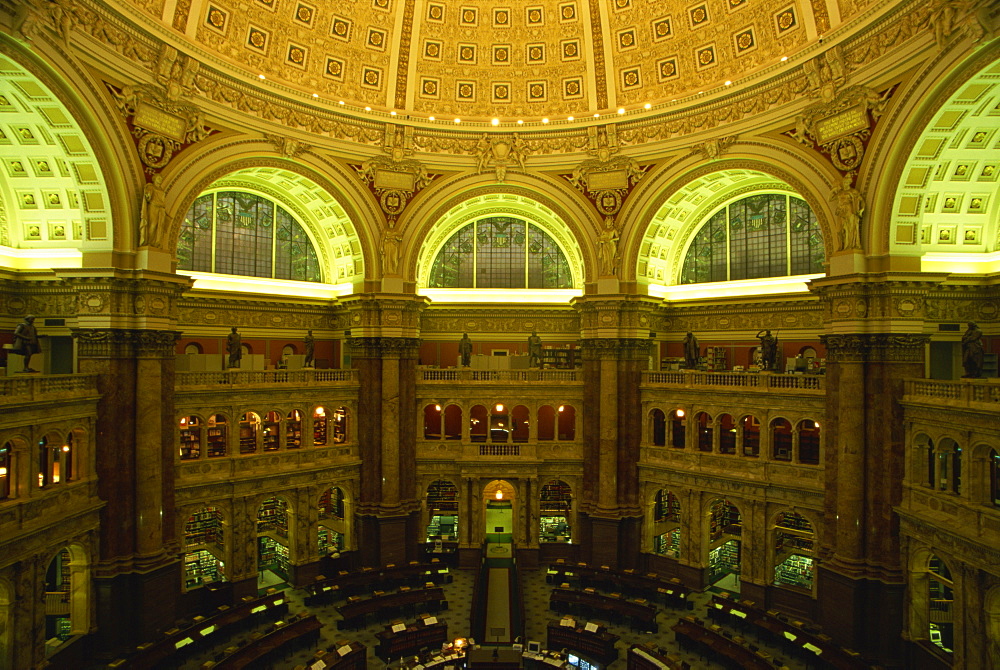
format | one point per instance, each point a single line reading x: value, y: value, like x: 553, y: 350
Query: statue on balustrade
x: 972, y: 351
x: 26, y: 341
x: 465, y: 350
x: 534, y: 350
x: 310, y: 350
x: 234, y: 345
x: 768, y: 349
x: 691, y: 351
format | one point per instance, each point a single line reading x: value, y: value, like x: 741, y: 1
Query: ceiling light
x: 341, y: 102
x: 545, y: 120
x: 458, y: 120
x: 784, y: 58
x: 597, y: 115
x: 570, y: 118
x: 648, y: 106
x: 729, y: 83
x: 368, y: 109
x: 392, y: 113
x: 262, y: 76
x: 430, y: 118
x: 315, y: 95
x: 520, y: 121
x: 495, y: 122
x: 621, y: 110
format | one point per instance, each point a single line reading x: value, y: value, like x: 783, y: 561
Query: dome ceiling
x: 508, y: 59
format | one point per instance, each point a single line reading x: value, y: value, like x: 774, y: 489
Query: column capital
x: 386, y: 315
x: 877, y: 302
x: 121, y: 299
x: 615, y: 316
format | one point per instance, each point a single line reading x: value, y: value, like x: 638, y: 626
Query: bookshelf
x: 668, y: 544
x: 329, y: 541
x: 724, y: 519
x: 724, y: 560
x: 273, y: 517
x: 293, y: 430
x: 556, y: 498
x: 204, y: 528
x: 668, y: 507
x: 442, y: 496
x: 796, y: 570
x: 319, y: 427
x: 202, y: 567
x: 340, y: 425
x: 331, y: 504
x: 562, y: 359
x: 217, y: 436
x: 248, y: 436
x: 715, y: 359
x: 190, y: 439
x: 272, y: 431
x: 272, y: 555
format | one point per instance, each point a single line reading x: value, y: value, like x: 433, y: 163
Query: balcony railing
x: 962, y: 392
x: 497, y: 376
x: 29, y: 387
x: 743, y: 380
x: 242, y: 378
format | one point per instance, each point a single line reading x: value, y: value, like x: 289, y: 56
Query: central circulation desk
x: 589, y: 640
x: 355, y: 611
x: 591, y: 604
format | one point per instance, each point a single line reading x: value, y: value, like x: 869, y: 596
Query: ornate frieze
x: 450, y: 321
x: 383, y: 347
x: 617, y: 348
x: 791, y: 315
x: 394, y: 178
x: 124, y: 343
x: 501, y: 153
x: 258, y: 314
x: 874, y: 347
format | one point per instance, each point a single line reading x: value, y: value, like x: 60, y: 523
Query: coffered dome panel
x: 509, y: 58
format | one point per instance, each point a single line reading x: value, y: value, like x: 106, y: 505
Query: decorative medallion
x: 465, y: 91
x: 334, y: 69
x: 269, y: 4
x: 296, y: 56
x: 622, y: 4
x: 394, y: 178
x: 430, y: 87
x: 631, y: 78
x: 501, y: 91
x: 371, y: 77
x: 567, y: 12
x: 573, y: 88
x: 536, y: 54
x: 501, y: 153
x: 666, y: 69
x: 735, y: 4
x: 698, y: 15
x: 435, y: 12
x: 533, y: 16
x: 432, y: 50
x: 501, y: 17
x: 704, y: 56
x: 304, y: 14
x: 467, y: 53
x: 785, y: 20
x: 376, y: 39
x: 744, y: 41
x: 341, y: 29
x: 501, y: 54
x: 217, y: 18
x: 469, y: 16
x: 607, y: 177
x: 537, y: 91
x: 384, y: 5
x: 662, y: 29
x: 570, y: 50
x: 626, y: 40
x: 257, y: 39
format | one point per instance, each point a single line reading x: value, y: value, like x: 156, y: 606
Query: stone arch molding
x: 674, y: 216
x: 333, y: 224
x: 54, y: 195
x: 487, y: 202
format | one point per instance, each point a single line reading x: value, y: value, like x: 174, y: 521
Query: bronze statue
x: 691, y: 351
x: 768, y: 349
x: 972, y: 351
x: 26, y: 341
x: 465, y: 350
x: 310, y: 350
x: 534, y: 350
x: 234, y: 346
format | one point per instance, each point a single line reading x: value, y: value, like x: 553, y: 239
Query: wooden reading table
x: 262, y: 649
x: 403, y: 640
x: 691, y: 633
x: 587, y: 639
x: 639, y: 613
x: 355, y: 611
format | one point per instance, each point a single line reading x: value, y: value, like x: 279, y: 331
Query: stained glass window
x: 238, y: 233
x: 765, y: 235
x: 500, y: 252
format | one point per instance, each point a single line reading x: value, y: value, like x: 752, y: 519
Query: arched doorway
x: 498, y: 498
x: 725, y: 545
x: 332, y: 526
x: 794, y: 543
x: 555, y: 510
x: 67, y: 593
x: 442, y: 508
x: 273, y: 542
x: 204, y: 548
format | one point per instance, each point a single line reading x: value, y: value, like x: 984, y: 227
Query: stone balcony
x: 498, y: 377
x: 754, y: 382
x: 974, y: 394
x: 28, y: 388
x: 493, y: 453
x: 276, y: 379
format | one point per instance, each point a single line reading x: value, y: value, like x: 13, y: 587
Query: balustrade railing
x: 743, y: 380
x: 266, y: 377
x: 498, y: 376
x: 499, y: 449
x: 961, y: 391
x: 31, y: 387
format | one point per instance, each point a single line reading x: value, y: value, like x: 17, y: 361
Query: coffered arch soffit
x: 340, y: 234
x: 657, y: 246
x: 54, y: 192
x: 562, y: 217
x: 945, y: 191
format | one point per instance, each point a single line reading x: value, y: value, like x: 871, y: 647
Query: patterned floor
x: 537, y: 617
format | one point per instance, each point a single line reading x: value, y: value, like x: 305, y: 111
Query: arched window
x: 249, y: 429
x: 678, y: 429
x: 940, y: 600
x: 272, y: 537
x: 809, y: 442
x: 727, y: 434
x: 319, y: 427
x: 994, y: 475
x: 432, y: 422
x: 567, y: 422
x: 667, y: 517
x: 500, y: 252
x: 703, y: 423
x: 272, y: 431
x: 751, y: 435
x: 217, y: 436
x: 330, y: 534
x: 546, y: 423
x: 453, y: 422
x: 190, y: 440
x: 239, y: 233
x: 478, y: 424
x: 781, y: 440
x: 6, y: 469
x: 725, y: 532
x: 763, y: 235
x: 658, y: 428
x: 293, y: 430
x: 339, y: 425
x: 520, y: 418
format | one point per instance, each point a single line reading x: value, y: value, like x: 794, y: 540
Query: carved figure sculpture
x: 848, y: 208
x: 234, y: 345
x: 608, y: 247
x: 768, y: 349
x: 534, y: 350
x: 26, y: 341
x: 153, y: 213
x: 465, y: 350
x: 310, y: 349
x: 390, y: 251
x: 972, y: 351
x: 691, y: 351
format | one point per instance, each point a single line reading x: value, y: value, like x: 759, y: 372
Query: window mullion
x: 215, y: 205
